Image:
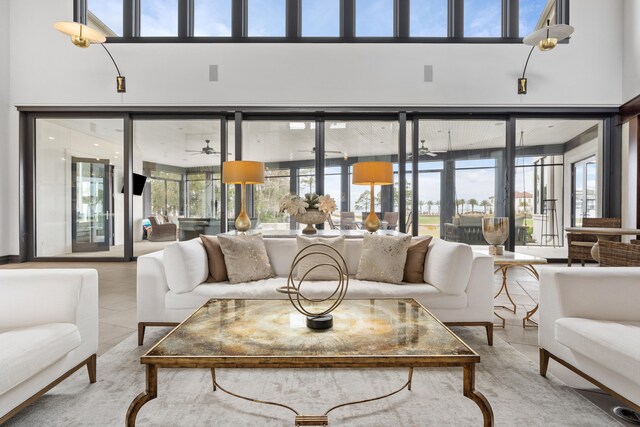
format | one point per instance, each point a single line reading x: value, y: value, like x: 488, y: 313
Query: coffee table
x: 372, y: 333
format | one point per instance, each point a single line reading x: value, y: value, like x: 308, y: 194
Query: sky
x: 374, y: 18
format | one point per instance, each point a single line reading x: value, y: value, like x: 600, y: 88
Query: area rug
x: 510, y: 381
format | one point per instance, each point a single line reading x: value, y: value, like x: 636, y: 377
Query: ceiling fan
x: 313, y: 151
x: 424, y: 151
x: 205, y: 150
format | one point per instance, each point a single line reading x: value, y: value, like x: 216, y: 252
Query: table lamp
x: 372, y: 173
x: 243, y: 172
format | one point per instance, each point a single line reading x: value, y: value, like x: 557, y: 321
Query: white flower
x: 326, y: 204
x: 293, y: 204
x: 297, y: 206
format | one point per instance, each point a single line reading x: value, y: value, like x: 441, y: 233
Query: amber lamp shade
x: 243, y: 172
x: 372, y: 173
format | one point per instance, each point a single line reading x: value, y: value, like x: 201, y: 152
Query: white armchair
x: 590, y: 323
x: 48, y: 330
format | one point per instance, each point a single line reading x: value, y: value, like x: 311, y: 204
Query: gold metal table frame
x: 466, y: 358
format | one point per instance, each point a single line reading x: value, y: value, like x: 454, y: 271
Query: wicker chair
x: 616, y: 254
x: 162, y: 231
x: 579, y: 245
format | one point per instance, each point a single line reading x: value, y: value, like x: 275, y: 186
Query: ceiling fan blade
x: 195, y: 154
x: 438, y: 151
x: 333, y: 151
x: 193, y: 151
x: 432, y: 154
x: 305, y: 151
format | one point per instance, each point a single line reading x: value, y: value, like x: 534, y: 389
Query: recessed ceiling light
x: 117, y: 152
x: 62, y: 158
x: 51, y: 138
x: 115, y: 157
x: 96, y: 145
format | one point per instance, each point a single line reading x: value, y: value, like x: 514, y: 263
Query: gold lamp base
x: 243, y: 223
x: 372, y: 223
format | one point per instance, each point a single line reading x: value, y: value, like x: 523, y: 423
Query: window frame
x: 293, y: 32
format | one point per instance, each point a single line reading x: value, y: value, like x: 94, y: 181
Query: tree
x: 485, y: 204
x: 421, y: 204
x: 473, y: 203
x: 429, y: 206
x: 459, y: 203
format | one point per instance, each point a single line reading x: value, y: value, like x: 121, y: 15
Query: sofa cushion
x: 245, y: 257
x: 217, y: 268
x: 613, y: 344
x: 307, y: 262
x: 281, y: 253
x: 185, y: 265
x: 27, y: 351
x: 383, y: 257
x: 448, y: 268
x: 416, y: 254
x: 426, y: 294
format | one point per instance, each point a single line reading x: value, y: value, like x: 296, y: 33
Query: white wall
x: 8, y: 239
x: 48, y: 70
x: 631, y: 53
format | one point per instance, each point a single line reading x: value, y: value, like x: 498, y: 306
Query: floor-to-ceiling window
x: 461, y: 177
x: 79, y: 206
x: 182, y: 199
x: 351, y: 141
x: 287, y: 149
x: 461, y: 167
x: 548, y: 153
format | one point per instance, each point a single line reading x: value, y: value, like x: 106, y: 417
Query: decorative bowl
x: 311, y: 217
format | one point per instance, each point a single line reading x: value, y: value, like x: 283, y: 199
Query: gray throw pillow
x: 383, y: 257
x: 308, y: 262
x: 245, y: 257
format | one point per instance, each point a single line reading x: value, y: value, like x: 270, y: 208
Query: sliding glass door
x: 79, y: 209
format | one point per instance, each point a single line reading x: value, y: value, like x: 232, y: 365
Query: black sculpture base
x: 320, y: 323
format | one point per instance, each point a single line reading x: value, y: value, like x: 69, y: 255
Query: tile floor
x: 117, y: 305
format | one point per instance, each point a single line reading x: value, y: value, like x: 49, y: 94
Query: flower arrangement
x: 294, y: 204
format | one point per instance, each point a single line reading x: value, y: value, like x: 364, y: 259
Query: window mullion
x: 185, y: 18
x: 131, y: 18
x: 238, y: 18
x: 293, y: 19
x: 347, y: 19
x: 455, y: 29
x: 401, y: 18
x: 510, y: 18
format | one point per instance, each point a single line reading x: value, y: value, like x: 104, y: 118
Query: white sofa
x: 590, y: 323
x: 48, y: 330
x: 459, y: 290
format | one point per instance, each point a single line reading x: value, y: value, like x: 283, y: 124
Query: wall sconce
x: 546, y: 38
x: 83, y: 36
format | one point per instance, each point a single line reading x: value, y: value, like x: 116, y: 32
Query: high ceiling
x: 166, y: 141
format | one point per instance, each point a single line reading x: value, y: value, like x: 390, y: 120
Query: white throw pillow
x: 308, y: 262
x: 448, y: 266
x: 383, y: 257
x: 185, y: 265
x: 245, y: 257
